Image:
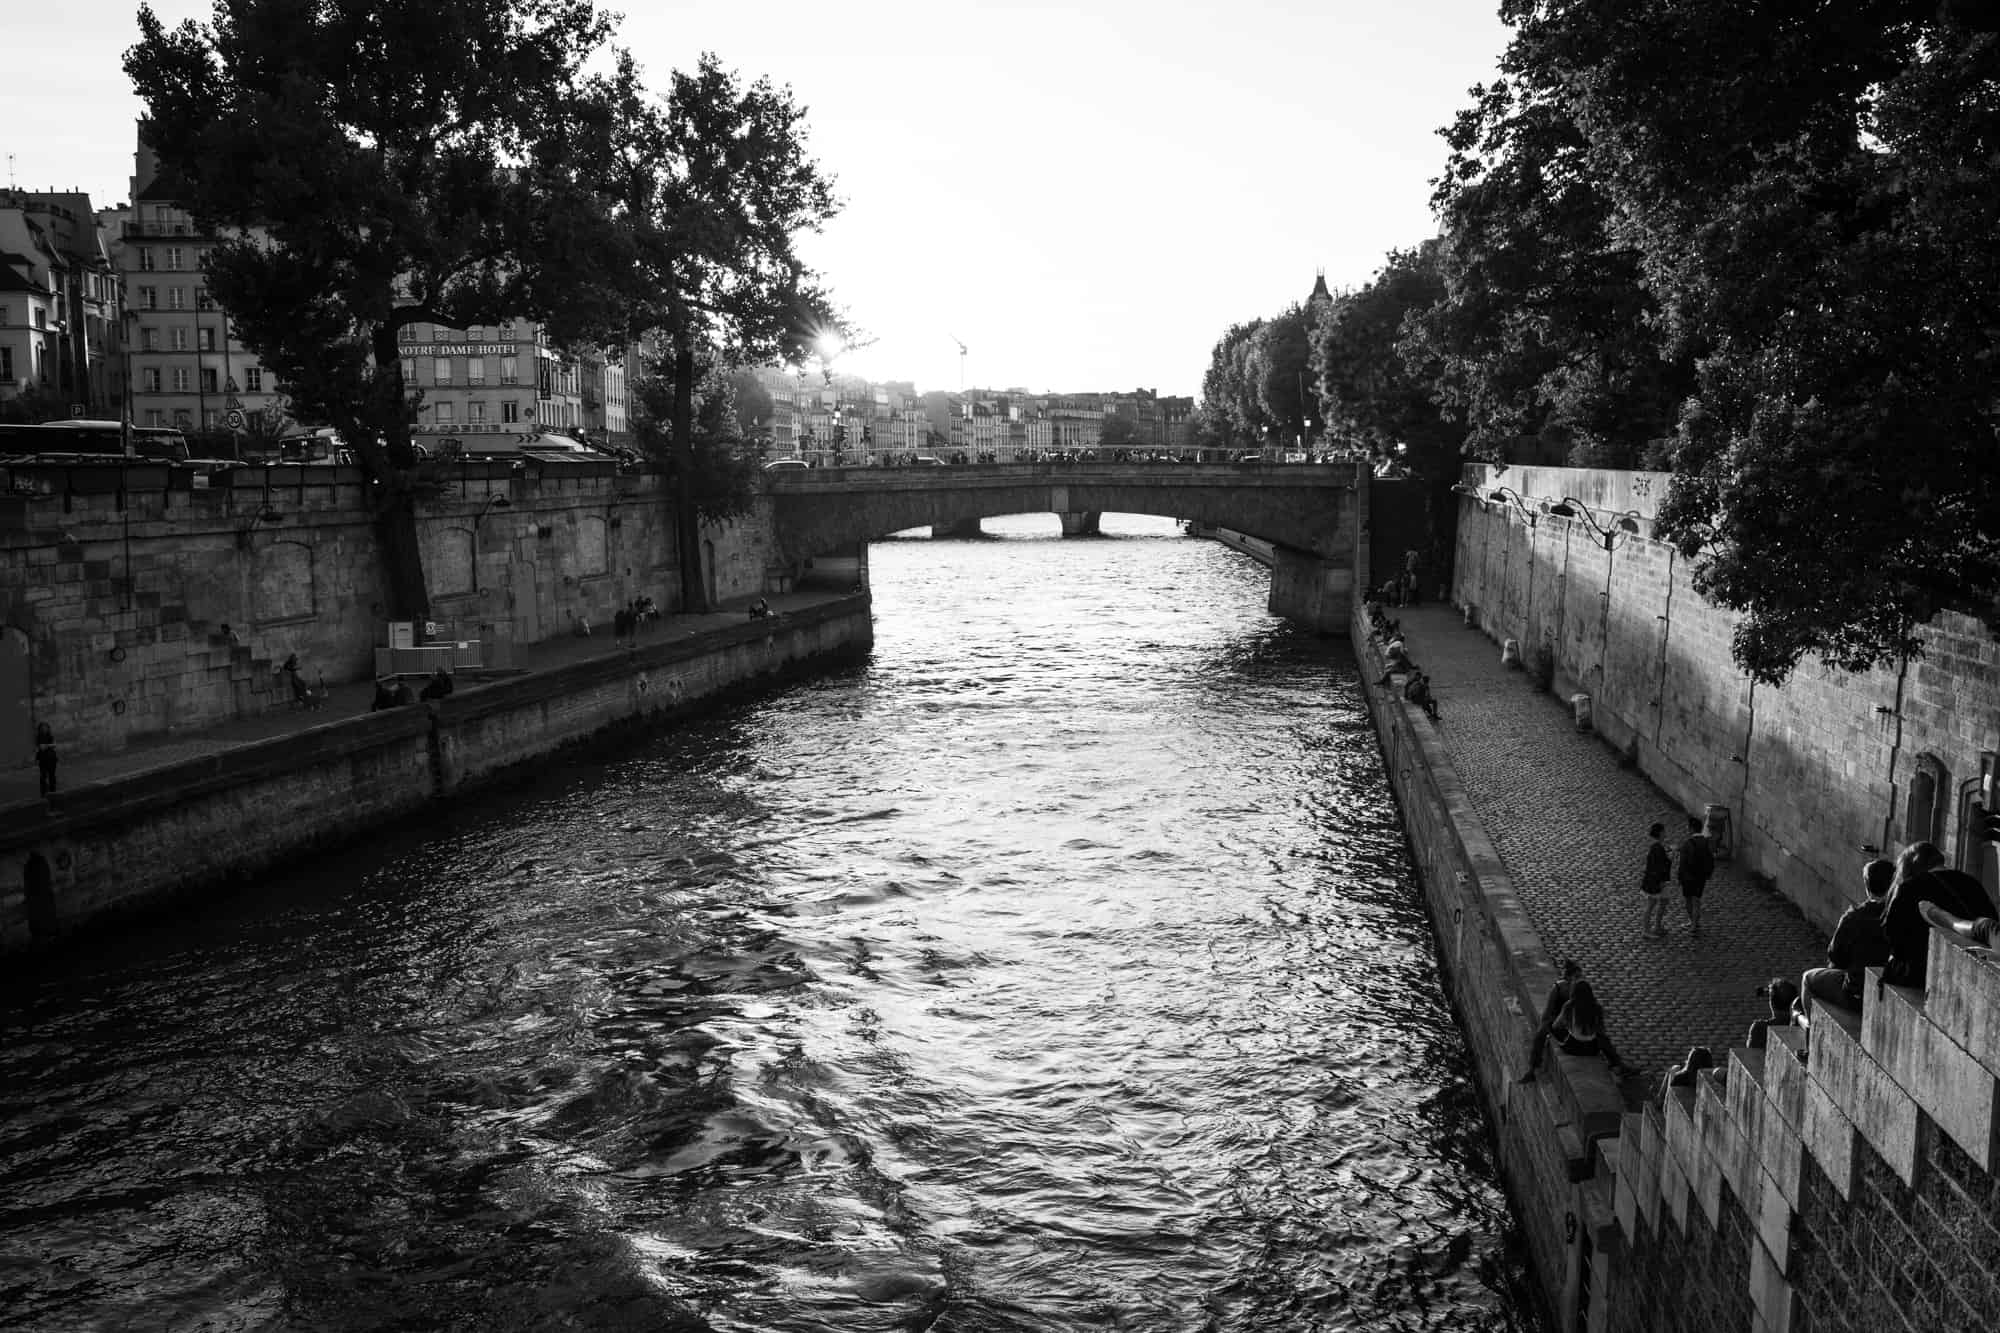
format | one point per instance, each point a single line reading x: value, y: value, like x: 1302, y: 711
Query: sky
x: 1084, y: 195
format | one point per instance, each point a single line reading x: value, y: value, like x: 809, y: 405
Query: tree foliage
x: 1813, y: 206
x: 373, y: 164
x: 1543, y: 339
x: 717, y: 471
x: 1374, y: 387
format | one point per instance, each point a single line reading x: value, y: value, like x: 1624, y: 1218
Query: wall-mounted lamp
x: 1499, y: 493
x: 1625, y: 524
x: 493, y: 502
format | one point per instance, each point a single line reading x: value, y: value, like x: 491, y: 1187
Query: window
x: 253, y: 379
x: 155, y: 417
x: 211, y: 418
x: 177, y: 338
x: 41, y: 318
x: 444, y: 414
x: 149, y: 379
x: 475, y: 370
x: 149, y: 339
x: 444, y: 370
x: 202, y: 300
x: 149, y: 298
x: 475, y: 411
x: 146, y: 259
x: 176, y: 298
x: 183, y: 418
x: 510, y: 411
x: 510, y: 370
x: 6, y: 365
x: 208, y: 384
x: 182, y: 380
x: 1923, y: 812
x: 174, y: 256
x: 208, y: 340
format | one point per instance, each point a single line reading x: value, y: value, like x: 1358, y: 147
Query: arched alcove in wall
x: 1924, y: 807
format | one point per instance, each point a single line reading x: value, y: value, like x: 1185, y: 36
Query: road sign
x: 233, y: 420
x: 229, y: 387
x: 234, y: 404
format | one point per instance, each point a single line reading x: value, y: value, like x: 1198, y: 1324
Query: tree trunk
x: 687, y: 526
x: 391, y: 464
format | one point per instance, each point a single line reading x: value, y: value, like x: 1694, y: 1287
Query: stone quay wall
x: 1815, y: 775
x: 1847, y: 1184
x: 136, y: 841
x: 116, y: 581
x: 1496, y: 971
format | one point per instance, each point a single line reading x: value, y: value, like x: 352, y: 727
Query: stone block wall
x: 1496, y: 971
x: 1843, y: 1184
x: 1811, y: 773
x: 120, y: 845
x: 116, y: 583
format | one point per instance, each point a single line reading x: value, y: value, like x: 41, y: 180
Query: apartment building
x: 58, y: 305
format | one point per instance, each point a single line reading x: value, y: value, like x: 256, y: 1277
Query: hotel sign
x: 468, y: 349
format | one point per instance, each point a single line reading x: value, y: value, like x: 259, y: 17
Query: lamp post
x: 1621, y: 525
x: 1511, y: 496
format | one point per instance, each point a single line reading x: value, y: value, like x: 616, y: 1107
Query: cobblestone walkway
x: 1571, y: 825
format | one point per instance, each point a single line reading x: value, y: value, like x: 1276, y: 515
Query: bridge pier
x: 1311, y: 591
x: 965, y: 527
x: 1082, y: 523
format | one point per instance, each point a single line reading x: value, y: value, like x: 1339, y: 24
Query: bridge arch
x: 1311, y: 514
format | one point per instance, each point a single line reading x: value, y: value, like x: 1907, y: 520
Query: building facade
x: 58, y: 307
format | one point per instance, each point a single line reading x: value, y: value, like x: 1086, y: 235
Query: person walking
x: 1697, y: 863
x: 1653, y: 883
x: 45, y: 756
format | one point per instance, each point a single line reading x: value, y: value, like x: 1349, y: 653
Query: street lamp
x: 1625, y: 524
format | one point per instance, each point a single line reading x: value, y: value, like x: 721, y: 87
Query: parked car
x: 786, y: 465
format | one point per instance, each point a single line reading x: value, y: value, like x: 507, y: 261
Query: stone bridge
x: 1308, y: 513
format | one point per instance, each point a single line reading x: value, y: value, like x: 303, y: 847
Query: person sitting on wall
x: 385, y: 694
x: 439, y: 686
x: 404, y: 695
x: 1552, y: 1006
x: 1579, y: 1029
x: 1684, y: 1074
x: 759, y: 609
x: 1398, y: 659
x: 1783, y: 996
x: 578, y: 625
x: 1418, y: 692
x: 45, y: 757
x: 1922, y: 877
x: 1857, y: 944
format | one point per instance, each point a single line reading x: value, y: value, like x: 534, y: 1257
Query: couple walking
x: 1692, y: 867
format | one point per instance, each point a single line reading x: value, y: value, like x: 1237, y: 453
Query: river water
x: 1060, y: 968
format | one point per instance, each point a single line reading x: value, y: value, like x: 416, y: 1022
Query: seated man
x: 439, y: 686
x: 1923, y: 879
x: 385, y: 695
x: 1782, y: 995
x: 759, y: 609
x: 1397, y: 659
x: 1858, y: 944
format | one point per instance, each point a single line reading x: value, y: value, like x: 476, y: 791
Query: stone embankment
x: 144, y: 825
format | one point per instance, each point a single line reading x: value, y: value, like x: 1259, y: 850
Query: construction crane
x: 961, y: 361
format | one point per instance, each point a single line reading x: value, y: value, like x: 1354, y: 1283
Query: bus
x: 81, y: 438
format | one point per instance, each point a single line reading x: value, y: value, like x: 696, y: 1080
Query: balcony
x: 143, y: 230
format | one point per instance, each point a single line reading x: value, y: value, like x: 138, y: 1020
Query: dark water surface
x: 1059, y: 969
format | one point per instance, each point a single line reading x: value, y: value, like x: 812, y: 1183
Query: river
x: 1059, y: 968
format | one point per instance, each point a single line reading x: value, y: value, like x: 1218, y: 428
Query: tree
x: 1544, y: 337
x: 1813, y: 205
x: 754, y: 405
x: 717, y: 268
x: 1277, y: 369
x: 1373, y: 387
x: 1120, y: 431
x: 1228, y: 393
x: 373, y: 165
x: 715, y: 471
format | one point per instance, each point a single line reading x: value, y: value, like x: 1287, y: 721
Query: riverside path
x: 1570, y: 822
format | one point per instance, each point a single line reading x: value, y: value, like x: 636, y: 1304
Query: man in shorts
x: 1697, y: 863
